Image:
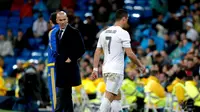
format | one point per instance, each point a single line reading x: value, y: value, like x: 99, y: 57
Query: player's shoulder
x: 109, y: 29
x: 103, y: 32
x: 54, y: 29
x: 121, y: 30
x: 118, y: 29
x: 105, y: 29
x: 50, y: 32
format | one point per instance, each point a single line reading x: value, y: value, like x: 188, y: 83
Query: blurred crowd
x: 166, y: 43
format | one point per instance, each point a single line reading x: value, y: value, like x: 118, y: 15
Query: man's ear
x: 123, y: 19
x: 67, y: 20
x: 50, y: 22
x: 57, y: 20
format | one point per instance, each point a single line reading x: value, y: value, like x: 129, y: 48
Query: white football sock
x: 116, y: 106
x: 105, y: 105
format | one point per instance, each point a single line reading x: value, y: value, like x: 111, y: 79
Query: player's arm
x: 133, y: 57
x: 52, y: 42
x: 125, y: 38
x: 97, y: 57
x: 50, y: 39
x: 96, y: 63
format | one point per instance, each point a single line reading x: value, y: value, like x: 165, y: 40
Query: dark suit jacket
x: 70, y: 46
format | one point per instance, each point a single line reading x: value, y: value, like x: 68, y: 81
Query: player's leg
x: 116, y: 106
x: 107, y: 97
x: 106, y: 102
x: 51, y: 86
x: 116, y: 103
x: 112, y: 88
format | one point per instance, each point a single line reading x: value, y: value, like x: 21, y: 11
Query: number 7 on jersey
x: 109, y: 38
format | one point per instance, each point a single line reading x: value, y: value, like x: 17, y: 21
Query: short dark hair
x: 189, y: 78
x: 20, y: 30
x: 189, y: 59
x: 158, y: 55
x: 10, y: 30
x: 40, y: 15
x: 53, y: 17
x: 120, y: 14
x: 154, y: 72
x: 87, y: 61
x: 181, y: 74
x: 41, y: 62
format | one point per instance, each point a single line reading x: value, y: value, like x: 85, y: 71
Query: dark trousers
x: 196, y: 109
x: 64, y: 100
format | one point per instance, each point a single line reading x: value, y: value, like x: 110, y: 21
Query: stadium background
x: 158, y: 29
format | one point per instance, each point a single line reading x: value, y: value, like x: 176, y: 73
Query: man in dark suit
x: 70, y: 48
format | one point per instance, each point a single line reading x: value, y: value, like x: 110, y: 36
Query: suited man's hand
x: 68, y: 60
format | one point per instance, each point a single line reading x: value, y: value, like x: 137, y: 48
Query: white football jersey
x: 113, y: 41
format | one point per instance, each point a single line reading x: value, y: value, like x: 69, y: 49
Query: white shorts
x: 113, y: 82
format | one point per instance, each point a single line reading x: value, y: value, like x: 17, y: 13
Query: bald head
x: 62, y: 19
x: 61, y: 13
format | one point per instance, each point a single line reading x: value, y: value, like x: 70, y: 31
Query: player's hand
x: 94, y: 75
x: 68, y: 60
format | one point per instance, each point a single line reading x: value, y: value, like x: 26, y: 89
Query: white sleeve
x: 99, y: 42
x: 125, y: 39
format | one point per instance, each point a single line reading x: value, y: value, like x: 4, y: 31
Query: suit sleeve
x: 79, y: 48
